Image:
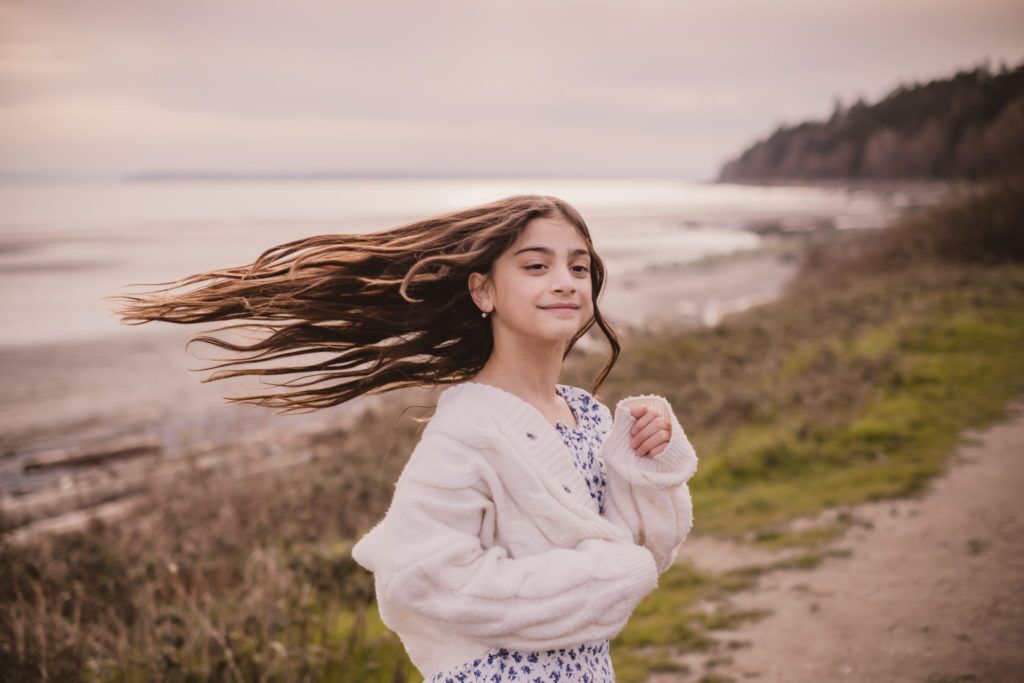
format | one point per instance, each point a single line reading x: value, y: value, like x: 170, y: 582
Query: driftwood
x: 81, y: 457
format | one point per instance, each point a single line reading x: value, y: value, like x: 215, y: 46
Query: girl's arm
x: 649, y: 495
x: 428, y: 558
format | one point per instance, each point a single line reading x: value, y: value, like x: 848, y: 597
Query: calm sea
x: 65, y: 245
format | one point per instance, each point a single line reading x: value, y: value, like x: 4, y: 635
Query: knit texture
x: 588, y: 662
x: 492, y: 540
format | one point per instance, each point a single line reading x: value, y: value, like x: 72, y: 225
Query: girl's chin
x: 560, y: 332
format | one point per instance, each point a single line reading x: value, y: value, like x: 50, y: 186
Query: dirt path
x: 933, y: 590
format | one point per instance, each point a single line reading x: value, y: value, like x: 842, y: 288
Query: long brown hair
x: 393, y: 307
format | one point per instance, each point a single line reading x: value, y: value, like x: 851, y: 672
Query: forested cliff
x: 970, y: 125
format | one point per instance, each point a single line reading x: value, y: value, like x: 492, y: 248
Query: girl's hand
x: 650, y: 433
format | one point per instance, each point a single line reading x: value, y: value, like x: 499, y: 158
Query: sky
x: 645, y: 88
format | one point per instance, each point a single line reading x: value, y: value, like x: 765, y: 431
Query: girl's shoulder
x: 465, y: 412
x: 460, y: 439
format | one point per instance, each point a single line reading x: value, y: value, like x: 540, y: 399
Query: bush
x: 977, y: 224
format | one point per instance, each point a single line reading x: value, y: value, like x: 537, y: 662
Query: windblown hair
x: 393, y: 307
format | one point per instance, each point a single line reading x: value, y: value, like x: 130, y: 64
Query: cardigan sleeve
x: 650, y: 496
x: 427, y: 557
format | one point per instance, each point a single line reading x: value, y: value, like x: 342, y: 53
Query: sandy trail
x: 932, y: 591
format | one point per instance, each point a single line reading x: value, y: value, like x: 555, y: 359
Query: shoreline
x: 113, y: 414
x: 129, y: 409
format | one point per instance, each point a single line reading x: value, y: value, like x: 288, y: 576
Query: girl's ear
x: 480, y: 291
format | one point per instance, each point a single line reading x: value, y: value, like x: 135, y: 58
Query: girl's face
x: 548, y: 265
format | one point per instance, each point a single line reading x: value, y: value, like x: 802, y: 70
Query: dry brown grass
x: 216, y: 577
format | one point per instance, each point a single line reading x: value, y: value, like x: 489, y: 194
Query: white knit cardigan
x: 492, y: 539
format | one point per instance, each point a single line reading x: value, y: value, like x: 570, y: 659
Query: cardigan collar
x: 547, y: 453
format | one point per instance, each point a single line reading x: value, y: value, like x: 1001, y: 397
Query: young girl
x: 528, y: 523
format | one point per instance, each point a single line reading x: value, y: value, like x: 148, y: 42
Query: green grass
x: 947, y: 371
x: 776, y: 539
x: 669, y: 620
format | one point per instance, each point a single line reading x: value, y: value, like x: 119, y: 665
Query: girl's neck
x: 527, y: 388
x: 524, y: 366
x: 537, y: 391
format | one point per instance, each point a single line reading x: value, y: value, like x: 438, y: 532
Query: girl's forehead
x: 544, y: 225
x: 558, y: 235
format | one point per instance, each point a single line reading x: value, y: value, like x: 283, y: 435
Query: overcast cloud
x: 638, y: 88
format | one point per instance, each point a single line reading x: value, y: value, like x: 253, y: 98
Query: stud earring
x: 483, y: 314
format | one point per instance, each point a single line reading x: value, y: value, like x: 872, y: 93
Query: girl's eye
x: 541, y: 265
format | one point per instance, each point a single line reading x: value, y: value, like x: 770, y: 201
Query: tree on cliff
x: 970, y: 125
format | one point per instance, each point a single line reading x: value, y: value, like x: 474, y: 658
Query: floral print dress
x: 588, y: 662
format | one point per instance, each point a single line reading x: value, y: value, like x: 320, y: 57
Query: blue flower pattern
x: 588, y: 662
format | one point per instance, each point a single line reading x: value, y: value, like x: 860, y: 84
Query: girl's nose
x: 565, y: 281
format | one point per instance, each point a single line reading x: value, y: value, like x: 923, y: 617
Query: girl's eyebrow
x: 550, y: 252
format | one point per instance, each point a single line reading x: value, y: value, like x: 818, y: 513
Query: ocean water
x: 65, y: 245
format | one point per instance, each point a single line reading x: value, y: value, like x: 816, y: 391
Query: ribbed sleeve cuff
x: 640, y: 566
x: 673, y: 466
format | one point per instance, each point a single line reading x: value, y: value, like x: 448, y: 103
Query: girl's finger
x: 641, y: 432
x: 661, y: 436
x: 642, y: 421
x: 638, y: 412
